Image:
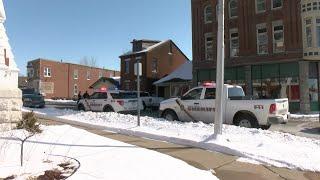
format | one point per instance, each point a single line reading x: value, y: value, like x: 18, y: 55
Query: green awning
x: 289, y: 69
x: 256, y: 72
x: 270, y: 71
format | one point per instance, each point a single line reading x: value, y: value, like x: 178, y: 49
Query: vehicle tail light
x: 273, y: 109
x: 120, y: 102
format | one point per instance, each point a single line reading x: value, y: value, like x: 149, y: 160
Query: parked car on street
x: 32, y: 99
x: 198, y: 104
x: 110, y: 101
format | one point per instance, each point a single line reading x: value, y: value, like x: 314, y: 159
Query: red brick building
x: 63, y: 80
x: 158, y: 58
x: 272, y: 47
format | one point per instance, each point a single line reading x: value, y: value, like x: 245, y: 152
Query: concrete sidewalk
x: 226, y: 167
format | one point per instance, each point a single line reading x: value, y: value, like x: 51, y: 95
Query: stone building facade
x: 272, y: 48
x: 57, y: 79
x: 10, y: 94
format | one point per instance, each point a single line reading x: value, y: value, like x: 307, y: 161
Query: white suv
x: 111, y: 101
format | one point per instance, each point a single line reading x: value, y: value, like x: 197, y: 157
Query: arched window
x: 233, y: 9
x: 208, y: 14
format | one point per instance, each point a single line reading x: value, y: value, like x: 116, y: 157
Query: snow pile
x: 60, y: 101
x: 99, y: 157
x: 267, y: 147
x: 304, y: 117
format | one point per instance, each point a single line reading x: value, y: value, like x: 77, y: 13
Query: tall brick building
x: 272, y: 47
x: 63, y: 80
x: 158, y: 58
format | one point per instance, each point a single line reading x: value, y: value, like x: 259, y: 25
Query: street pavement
x: 299, y: 128
x: 226, y: 167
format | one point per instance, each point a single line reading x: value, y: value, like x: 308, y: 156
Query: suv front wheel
x: 170, y: 115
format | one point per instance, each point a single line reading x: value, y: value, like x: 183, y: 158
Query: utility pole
x: 218, y: 119
x: 138, y: 72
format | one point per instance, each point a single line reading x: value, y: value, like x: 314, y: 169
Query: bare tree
x: 89, y: 61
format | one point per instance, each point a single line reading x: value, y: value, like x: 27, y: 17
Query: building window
x: 234, y: 43
x: 75, y: 74
x: 30, y: 72
x: 127, y: 66
x: 154, y: 66
x: 208, y: 15
x: 260, y: 6
x: 233, y: 9
x: 262, y: 39
x: 100, y: 74
x: 276, y: 4
x: 127, y: 86
x: 88, y: 75
x: 318, y: 31
x: 209, y: 46
x: 75, y: 90
x: 278, y: 37
x: 47, y: 72
x: 309, y: 32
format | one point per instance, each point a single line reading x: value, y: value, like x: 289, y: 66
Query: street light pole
x: 218, y: 119
x: 138, y: 89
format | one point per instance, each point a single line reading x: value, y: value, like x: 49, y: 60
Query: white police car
x: 110, y: 101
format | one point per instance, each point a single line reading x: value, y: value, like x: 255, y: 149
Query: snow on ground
x: 99, y: 157
x: 304, y: 117
x: 266, y: 147
x: 60, y: 101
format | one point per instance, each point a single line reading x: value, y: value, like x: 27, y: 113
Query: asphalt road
x: 299, y: 128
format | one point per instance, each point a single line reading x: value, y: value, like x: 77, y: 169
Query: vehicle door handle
x: 196, y: 103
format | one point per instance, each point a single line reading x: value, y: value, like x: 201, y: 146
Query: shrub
x: 30, y: 123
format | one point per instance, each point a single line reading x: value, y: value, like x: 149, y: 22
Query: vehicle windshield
x: 235, y: 92
x: 28, y: 91
x: 124, y: 95
x: 193, y: 95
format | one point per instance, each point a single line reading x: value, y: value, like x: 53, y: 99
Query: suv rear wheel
x: 108, y: 109
x: 81, y: 107
x: 246, y: 120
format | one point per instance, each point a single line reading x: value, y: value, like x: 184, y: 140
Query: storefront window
x: 289, y: 88
x: 313, y: 90
x: 256, y: 88
x: 244, y: 85
x: 270, y: 88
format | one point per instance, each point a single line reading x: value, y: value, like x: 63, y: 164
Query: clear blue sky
x: 72, y: 29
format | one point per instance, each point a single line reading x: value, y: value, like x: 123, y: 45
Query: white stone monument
x: 10, y: 94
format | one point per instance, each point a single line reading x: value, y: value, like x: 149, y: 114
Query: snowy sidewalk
x: 97, y: 157
x: 258, y: 146
x: 226, y: 167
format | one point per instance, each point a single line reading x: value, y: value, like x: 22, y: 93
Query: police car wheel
x: 144, y: 106
x: 81, y: 107
x: 108, y: 109
x: 247, y: 121
x: 170, y: 115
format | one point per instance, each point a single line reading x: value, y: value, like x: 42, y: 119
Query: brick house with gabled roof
x: 62, y: 80
x: 158, y: 58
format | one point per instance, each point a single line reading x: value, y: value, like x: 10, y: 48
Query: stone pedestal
x: 10, y: 95
x: 10, y: 108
